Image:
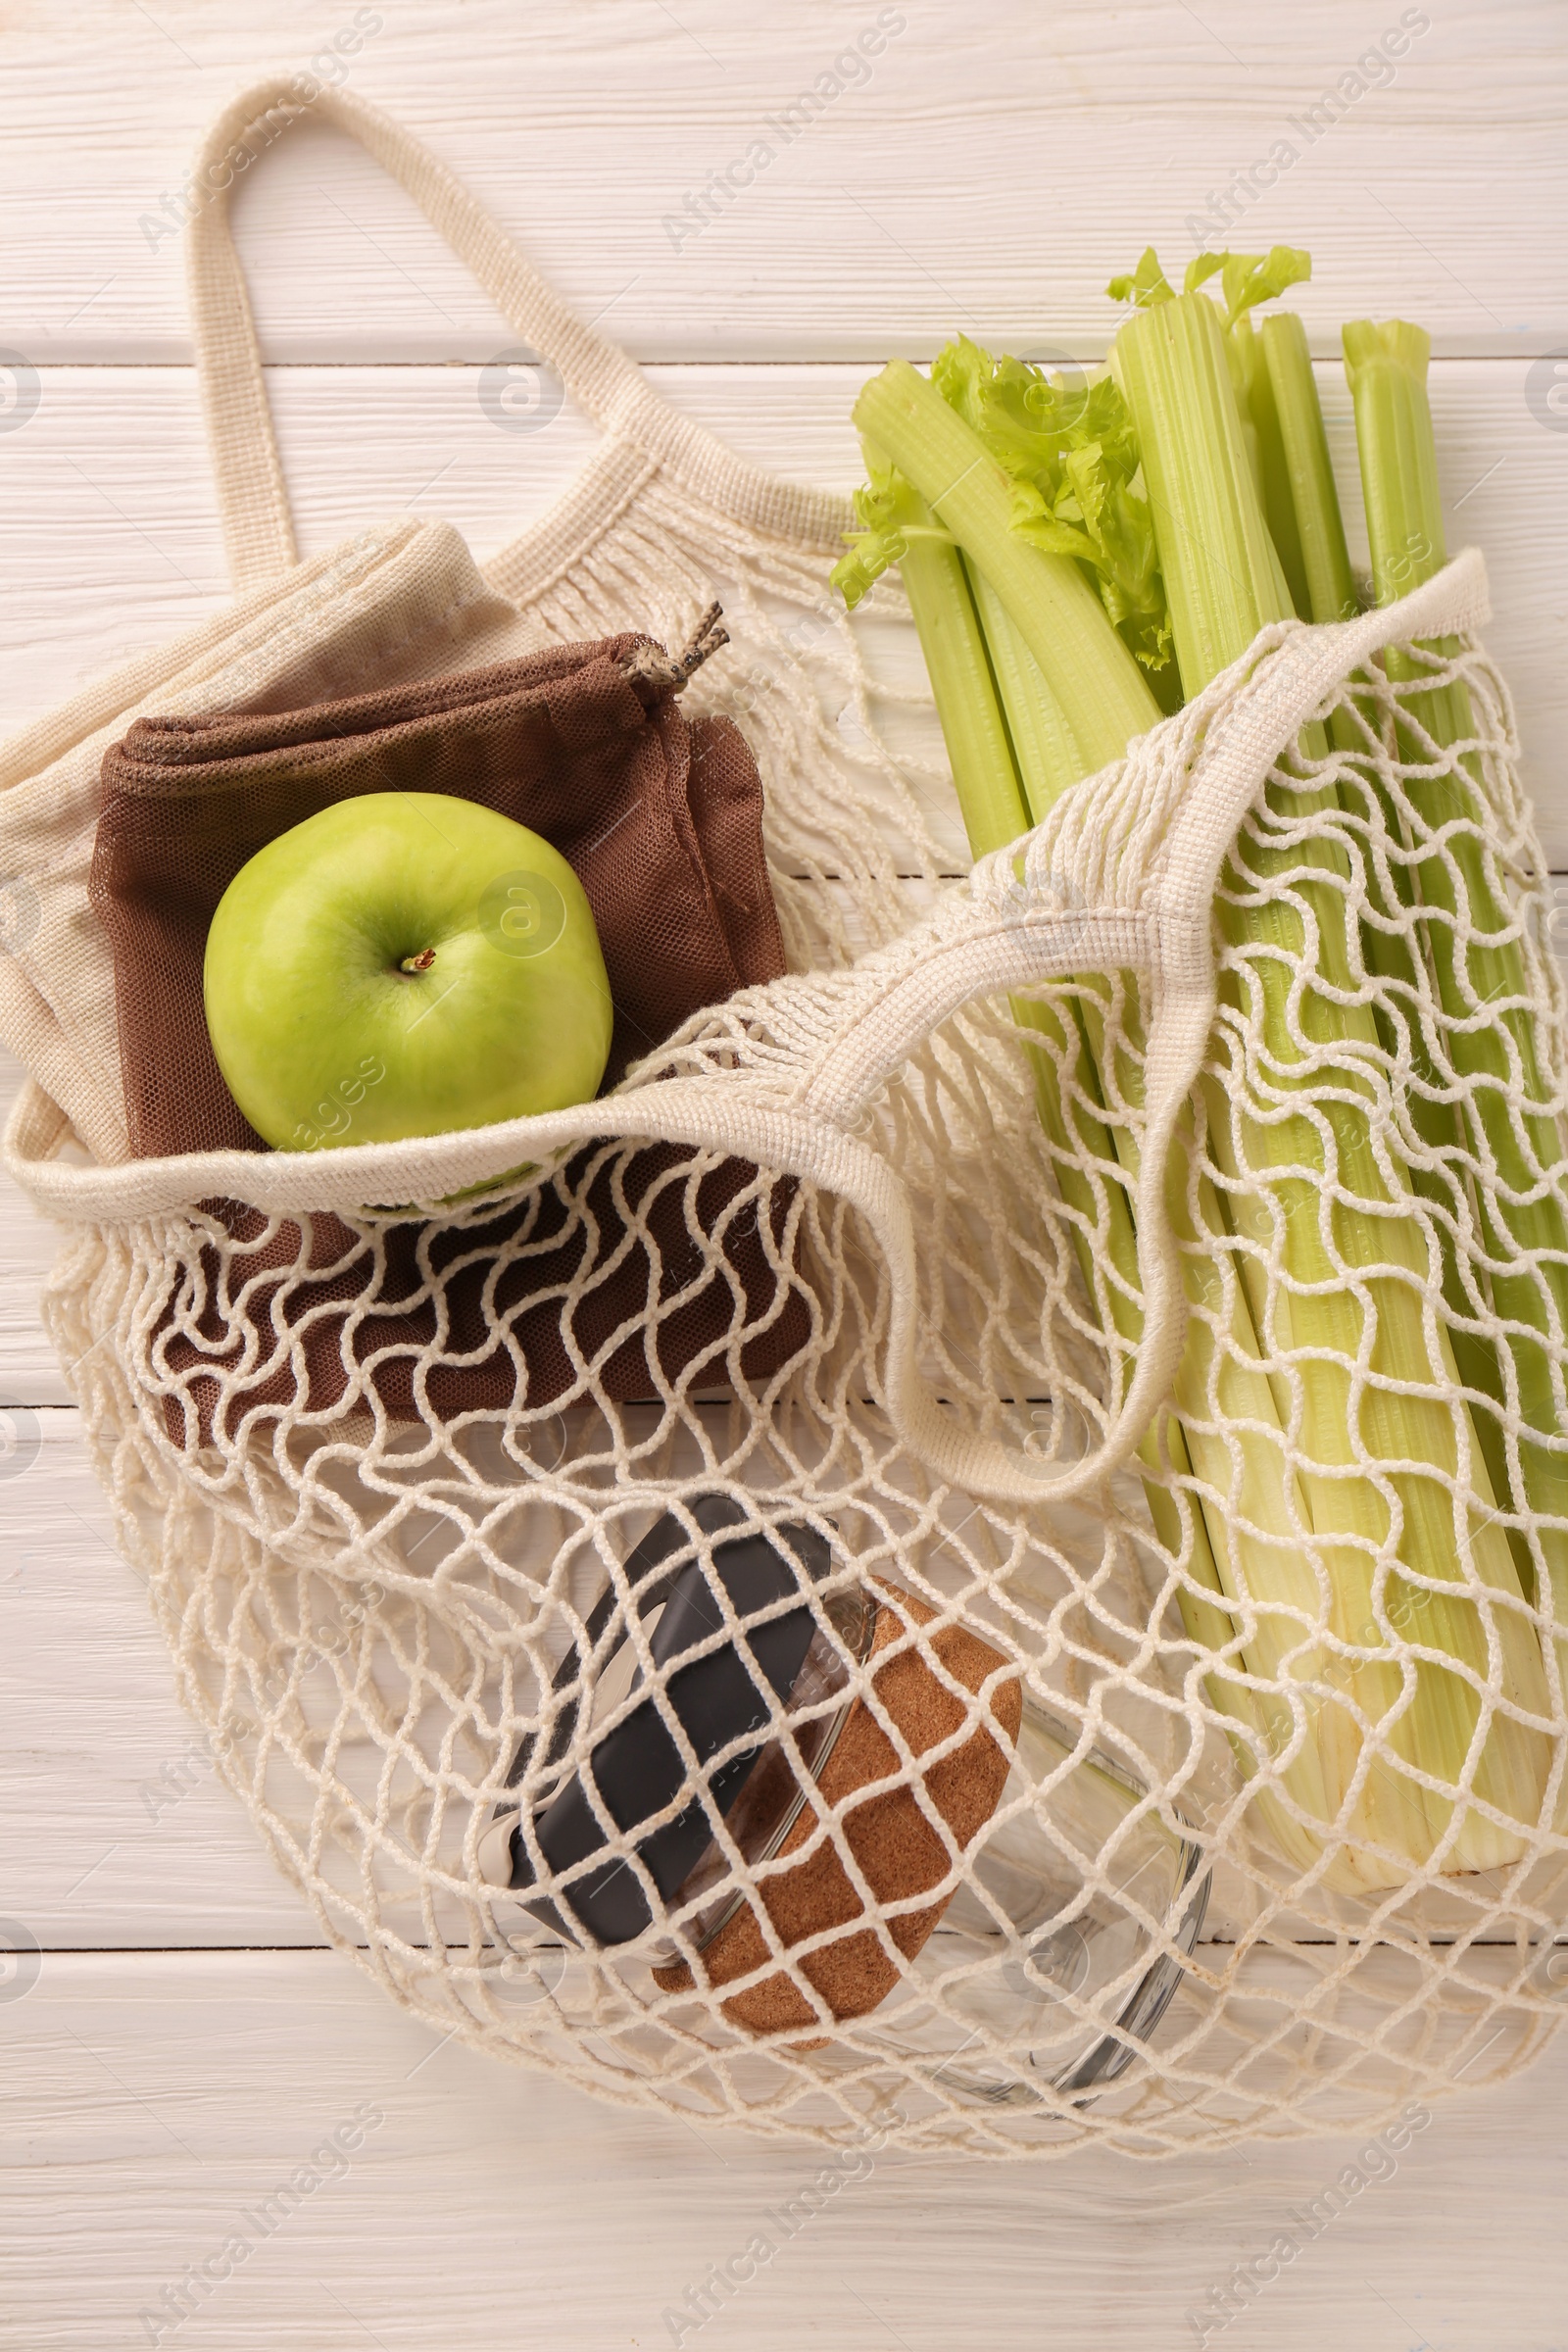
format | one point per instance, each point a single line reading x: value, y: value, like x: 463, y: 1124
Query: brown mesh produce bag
x: 585, y: 744
x: 661, y: 821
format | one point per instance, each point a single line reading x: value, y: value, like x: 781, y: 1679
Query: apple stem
x: 417, y: 964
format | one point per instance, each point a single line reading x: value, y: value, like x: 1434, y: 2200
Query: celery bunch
x: 1097, y: 553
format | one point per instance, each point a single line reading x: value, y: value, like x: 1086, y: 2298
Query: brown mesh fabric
x: 661, y: 820
x: 359, y: 1306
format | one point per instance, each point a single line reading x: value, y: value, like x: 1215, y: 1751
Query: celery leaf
x: 1147, y: 285
x: 1069, y: 449
x: 1253, y: 278
x: 961, y: 371
x: 885, y: 505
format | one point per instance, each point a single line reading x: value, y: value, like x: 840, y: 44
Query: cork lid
x: 816, y: 1847
x: 898, y: 1849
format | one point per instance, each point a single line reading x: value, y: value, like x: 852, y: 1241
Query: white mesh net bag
x: 1041, y: 1667
x: 1101, y: 1683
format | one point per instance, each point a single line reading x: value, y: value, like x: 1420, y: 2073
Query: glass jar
x: 1066, y: 1934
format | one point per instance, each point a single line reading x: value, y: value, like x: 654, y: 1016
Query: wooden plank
x: 29, y: 1374
x: 116, y: 1830
x: 991, y: 167
x: 155, y: 2103
x: 108, y: 485
x: 116, y: 1827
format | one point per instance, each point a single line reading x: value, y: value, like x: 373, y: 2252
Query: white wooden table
x: 182, y: 2044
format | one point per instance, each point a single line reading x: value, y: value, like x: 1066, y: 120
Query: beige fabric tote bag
x: 377, y: 1617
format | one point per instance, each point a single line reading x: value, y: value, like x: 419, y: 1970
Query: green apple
x: 405, y: 963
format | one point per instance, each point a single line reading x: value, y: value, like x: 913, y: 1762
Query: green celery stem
x: 1255, y: 390
x: 1221, y: 572
x: 1047, y: 764
x: 1327, y: 580
x: 964, y: 691
x: 1095, y: 679
x: 1387, y: 364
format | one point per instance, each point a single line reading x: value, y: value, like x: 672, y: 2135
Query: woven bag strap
x: 253, y: 500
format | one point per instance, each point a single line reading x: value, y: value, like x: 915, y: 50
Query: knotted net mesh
x: 1220, y: 1797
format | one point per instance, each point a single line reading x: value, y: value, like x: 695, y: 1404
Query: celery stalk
x: 992, y: 804
x: 1265, y: 442
x: 1387, y: 365
x: 1046, y: 756
x: 1273, y: 371
x: 1224, y: 582
x: 1219, y: 565
x: 1302, y: 500
x: 976, y: 730
x: 1046, y: 761
x: 1246, y: 1547
x: 961, y: 685
x: 1103, y: 698
x: 1305, y: 473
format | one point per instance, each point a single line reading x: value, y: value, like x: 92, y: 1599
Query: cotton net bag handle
x: 257, y: 527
